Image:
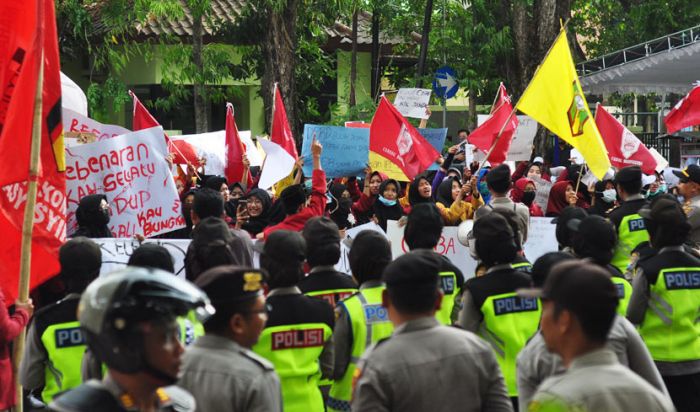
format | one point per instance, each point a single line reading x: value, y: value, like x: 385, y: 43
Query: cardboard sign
x: 116, y: 252
x: 521, y: 145
x: 75, y: 124
x: 542, y: 194
x: 345, y: 149
x: 212, y: 147
x: 132, y: 172
x: 411, y: 102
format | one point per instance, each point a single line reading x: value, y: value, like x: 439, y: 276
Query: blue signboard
x: 345, y: 150
x: 445, y: 83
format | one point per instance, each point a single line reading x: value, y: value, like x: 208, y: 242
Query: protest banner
x: 132, y: 172
x: 345, y: 149
x: 521, y: 145
x: 75, y: 124
x: 541, y: 240
x: 212, y: 147
x: 436, y: 138
x: 117, y: 251
x: 542, y: 194
x: 412, y: 102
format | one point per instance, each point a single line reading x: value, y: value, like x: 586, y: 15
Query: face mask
x: 609, y: 195
x: 534, y: 176
x: 387, y: 202
x: 529, y: 197
x: 662, y: 188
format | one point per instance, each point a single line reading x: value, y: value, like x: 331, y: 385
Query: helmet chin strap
x: 158, y: 374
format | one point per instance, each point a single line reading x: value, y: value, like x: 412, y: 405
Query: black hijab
x: 414, y: 197
x: 444, y: 192
x: 339, y: 208
x: 92, y: 220
x: 256, y: 224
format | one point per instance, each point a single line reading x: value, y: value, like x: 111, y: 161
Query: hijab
x: 339, y: 208
x: 444, y: 192
x: 557, y: 198
x: 256, y: 224
x: 92, y: 219
x: 414, y: 196
x: 518, y: 191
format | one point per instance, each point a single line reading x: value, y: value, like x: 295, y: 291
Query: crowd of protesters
x: 608, y: 323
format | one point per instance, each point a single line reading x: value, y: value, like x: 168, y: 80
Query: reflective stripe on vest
x: 370, y: 323
x: 65, y: 346
x: 509, y: 321
x: 624, y: 292
x: 332, y: 296
x: 631, y: 234
x: 190, y: 328
x: 448, y: 284
x: 294, y: 351
x: 525, y: 267
x: 671, y: 327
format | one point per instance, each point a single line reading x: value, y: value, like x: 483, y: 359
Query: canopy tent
x: 670, y: 64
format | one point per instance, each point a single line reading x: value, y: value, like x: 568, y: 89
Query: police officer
x: 689, y: 188
x: 490, y: 305
x: 665, y: 302
x: 579, y: 303
x: 629, y: 225
x: 520, y: 263
x: 322, y: 238
x: 425, y: 366
x: 297, y: 336
x: 423, y: 231
x: 361, y: 319
x: 220, y: 370
x: 128, y: 318
x: 594, y: 238
x: 55, y: 343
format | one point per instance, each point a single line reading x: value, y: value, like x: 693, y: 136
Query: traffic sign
x: 445, y: 82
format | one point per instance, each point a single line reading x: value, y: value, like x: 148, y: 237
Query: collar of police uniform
x: 679, y: 248
x: 375, y: 283
x: 638, y: 196
x: 289, y: 290
x: 126, y: 401
x: 500, y: 266
x: 426, y: 322
x: 598, y: 357
x: 212, y: 341
x: 322, y: 268
x: 503, y: 199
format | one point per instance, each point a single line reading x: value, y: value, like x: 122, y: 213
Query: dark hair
x: 514, y: 223
x: 208, y: 203
x: 219, y: 322
x: 151, y: 255
x: 282, y: 273
x: 563, y: 234
x: 412, y: 281
x: 81, y: 261
x: 494, y: 240
x: 369, y: 255
x: 462, y: 130
x: 600, y: 248
x: 423, y: 227
x: 663, y: 234
x: 631, y: 187
x: 544, y: 264
x: 322, y: 241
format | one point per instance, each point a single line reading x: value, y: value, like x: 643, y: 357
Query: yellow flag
x: 554, y: 98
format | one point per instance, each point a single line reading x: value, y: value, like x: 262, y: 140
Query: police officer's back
x: 322, y: 238
x: 361, y: 318
x: 666, y: 301
x: 129, y: 321
x: 55, y: 343
x: 426, y: 366
x: 689, y: 188
x: 423, y: 231
x: 220, y: 370
x: 296, y: 338
x: 630, y: 226
x: 490, y: 305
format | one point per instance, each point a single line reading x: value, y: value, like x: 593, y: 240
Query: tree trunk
x: 353, y: 60
x: 471, y: 121
x: 375, y: 53
x: 522, y: 44
x: 201, y: 112
x: 424, y: 43
x: 280, y: 61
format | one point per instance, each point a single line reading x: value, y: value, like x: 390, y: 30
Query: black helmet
x: 113, y: 305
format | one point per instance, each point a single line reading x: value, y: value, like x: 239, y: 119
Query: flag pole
x: 28, y: 226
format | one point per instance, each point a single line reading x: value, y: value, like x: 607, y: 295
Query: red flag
x: 49, y: 230
x: 394, y: 138
x: 234, y: 151
x: 281, y: 133
x: 484, y: 136
x: 624, y: 148
x: 183, y: 152
x: 685, y: 113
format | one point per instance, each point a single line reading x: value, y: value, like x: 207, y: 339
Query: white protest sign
x: 72, y: 96
x: 661, y: 162
x: 117, y: 251
x: 75, y: 123
x: 132, y: 172
x: 212, y: 147
x: 343, y: 264
x: 521, y: 145
x: 412, y: 102
x: 542, y: 194
x: 577, y: 157
x: 541, y: 239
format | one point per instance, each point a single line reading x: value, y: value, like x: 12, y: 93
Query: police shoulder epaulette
x: 177, y: 399
x: 257, y: 359
x: 612, y: 209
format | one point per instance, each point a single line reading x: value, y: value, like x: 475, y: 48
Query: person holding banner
x: 362, y: 208
x: 93, y: 216
x: 451, y: 201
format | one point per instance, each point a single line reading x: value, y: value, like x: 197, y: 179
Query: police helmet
x: 112, y: 307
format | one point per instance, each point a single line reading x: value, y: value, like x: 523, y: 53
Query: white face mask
x: 609, y: 195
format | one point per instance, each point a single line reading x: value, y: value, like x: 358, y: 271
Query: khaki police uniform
x: 535, y: 363
x: 54, y: 350
x: 596, y: 381
x: 224, y: 376
x: 691, y: 207
x: 426, y: 366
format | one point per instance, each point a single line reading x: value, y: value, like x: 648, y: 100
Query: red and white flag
x: 29, y: 28
x: 183, y: 152
x: 624, y: 148
x: 235, y: 150
x: 485, y: 135
x: 685, y: 113
x: 281, y: 149
x: 394, y: 138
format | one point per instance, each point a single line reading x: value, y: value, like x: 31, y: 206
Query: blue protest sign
x: 436, y: 138
x: 345, y: 149
x: 445, y: 83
